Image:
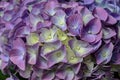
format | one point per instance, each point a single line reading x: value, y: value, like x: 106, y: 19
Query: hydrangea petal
x: 87, y: 18
x: 32, y: 54
x: 60, y: 74
x: 69, y: 74
x: 17, y: 58
x: 50, y: 47
x: 71, y: 57
x: 32, y: 38
x: 17, y: 54
x: 75, y: 24
x: 105, y: 54
x: 27, y: 72
x: 48, y: 76
x: 88, y: 2
x: 59, y: 20
x: 111, y: 20
x: 76, y: 68
x: 108, y: 33
x: 34, y: 20
x: 101, y: 13
x: 22, y: 31
x: 94, y: 26
x: 48, y: 35
x: 61, y: 35
x: 4, y: 59
x: 56, y: 56
x: 79, y: 49
x: 50, y: 7
x: 42, y: 63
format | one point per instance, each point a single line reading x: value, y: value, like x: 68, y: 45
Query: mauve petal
x: 89, y: 37
x: 75, y: 24
x: 17, y: 57
x: 27, y: 72
x: 94, y: 26
x: 22, y: 31
x: 3, y: 64
x: 87, y: 17
x: 19, y: 44
x: 45, y: 24
x: 108, y: 33
x: 101, y: 13
x: 116, y: 16
x: 115, y: 58
x: 59, y: 20
x: 111, y: 20
x: 48, y: 76
x: 76, y: 68
x: 17, y: 54
x: 60, y: 74
x: 50, y: 47
x: 50, y: 7
x: 32, y: 54
x: 32, y: 38
x: 69, y: 74
x: 105, y: 54
x: 34, y: 20
x: 97, y: 45
x: 88, y: 2
x: 99, y: 36
x: 42, y: 63
x: 56, y: 56
x: 7, y: 16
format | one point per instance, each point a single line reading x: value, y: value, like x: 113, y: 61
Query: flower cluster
x: 60, y: 40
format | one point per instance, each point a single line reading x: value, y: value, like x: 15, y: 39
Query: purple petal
x: 69, y: 74
x: 108, y: 33
x: 48, y: 76
x: 111, y: 20
x: 75, y: 24
x: 34, y: 20
x: 76, y: 68
x: 27, y: 72
x: 42, y: 63
x: 19, y: 44
x: 50, y: 47
x: 81, y: 48
x: 89, y: 38
x: 105, y: 54
x: 32, y: 54
x: 50, y: 7
x: 59, y: 20
x: 17, y: 54
x: 60, y: 74
x: 101, y: 13
x: 56, y: 56
x: 17, y: 57
x: 94, y: 26
x: 4, y: 59
x: 22, y: 31
x: 88, y: 2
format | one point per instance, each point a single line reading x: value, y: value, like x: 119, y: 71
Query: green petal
x: 71, y: 57
x: 32, y: 39
x: 61, y: 35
